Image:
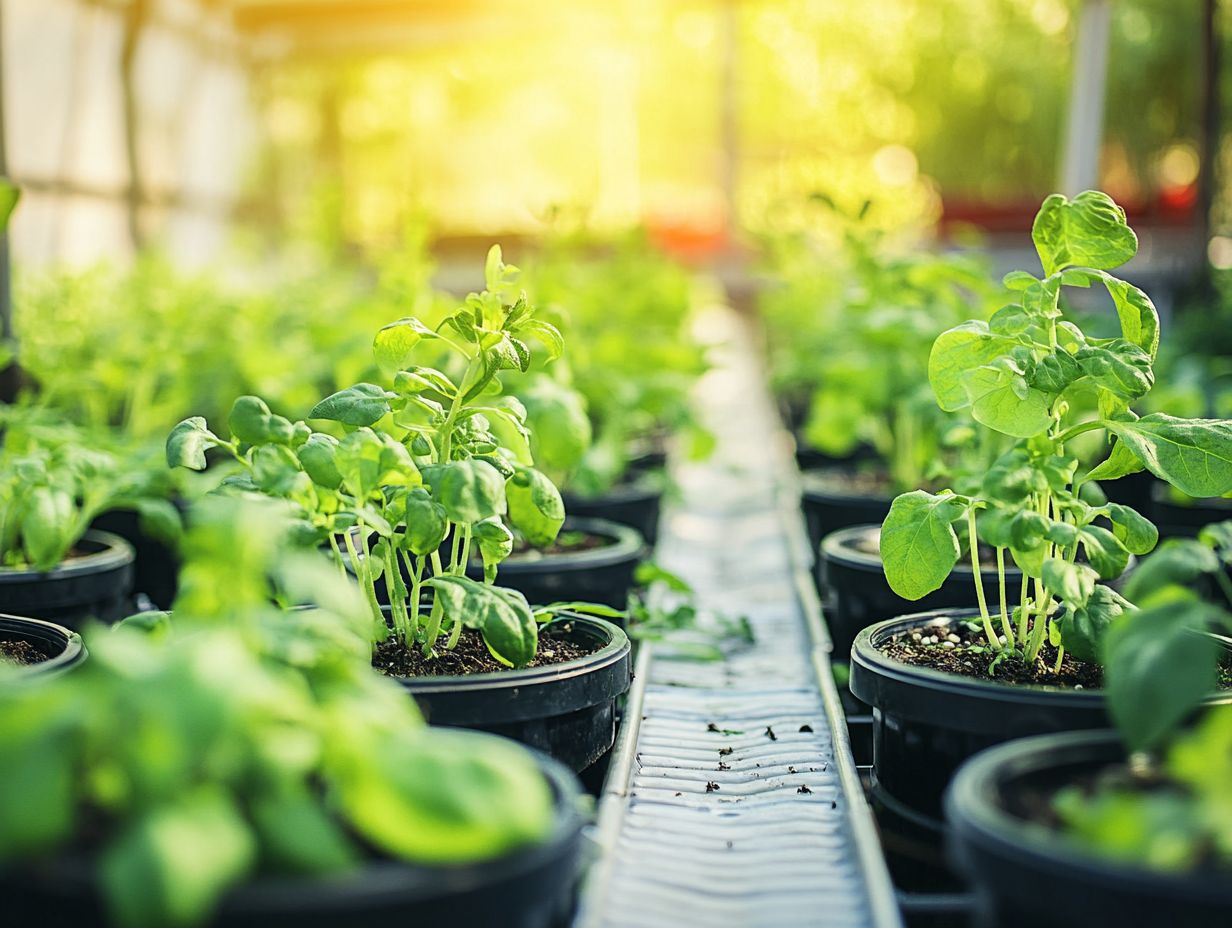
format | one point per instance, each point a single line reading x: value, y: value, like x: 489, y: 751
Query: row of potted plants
x: 420, y: 488
x: 1037, y: 630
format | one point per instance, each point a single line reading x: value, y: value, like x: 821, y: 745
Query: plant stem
x: 1006, y: 626
x: 397, y: 595
x: 1023, y: 611
x: 341, y: 562
x: 1075, y: 430
x: 363, y: 573
x: 973, y: 543
x: 1056, y: 668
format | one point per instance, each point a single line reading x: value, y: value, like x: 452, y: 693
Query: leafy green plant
x: 55, y: 479
x: 433, y: 468
x: 1033, y: 375
x: 1169, y: 808
x: 847, y: 341
x: 243, y: 741
x: 632, y: 361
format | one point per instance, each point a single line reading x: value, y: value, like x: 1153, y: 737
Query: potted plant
x: 33, y: 648
x: 242, y: 766
x: 426, y: 474
x: 864, y: 374
x: 54, y: 481
x: 1126, y: 827
x: 631, y: 368
x: 944, y: 685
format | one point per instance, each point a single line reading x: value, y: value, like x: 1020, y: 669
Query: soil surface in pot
x: 20, y: 652
x: 393, y: 659
x: 962, y: 650
x: 1034, y: 799
x: 565, y: 543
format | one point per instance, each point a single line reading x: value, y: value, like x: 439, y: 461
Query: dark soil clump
x: 471, y: 655
x: 21, y: 653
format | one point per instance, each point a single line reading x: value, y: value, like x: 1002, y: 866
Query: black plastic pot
x: 94, y: 585
x: 533, y: 887
x: 827, y: 508
x: 926, y: 723
x: 157, y: 566
x: 636, y: 503
x: 1027, y: 875
x: 61, y: 647
x: 566, y: 710
x: 597, y: 575
x: 857, y: 594
x: 1178, y: 519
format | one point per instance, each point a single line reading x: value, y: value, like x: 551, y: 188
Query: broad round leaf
x: 535, y: 507
x: 919, y: 547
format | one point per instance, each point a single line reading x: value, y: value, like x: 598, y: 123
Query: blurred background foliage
x: 618, y: 110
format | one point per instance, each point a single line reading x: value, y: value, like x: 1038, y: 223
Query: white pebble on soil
x: 954, y: 639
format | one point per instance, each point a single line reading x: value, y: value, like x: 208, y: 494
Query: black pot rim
x: 840, y: 546
x: 72, y: 651
x: 613, y: 652
x: 973, y: 812
x: 814, y: 492
x: 627, y: 545
x: 115, y: 553
x: 642, y: 487
x: 391, y: 879
x: 868, y: 658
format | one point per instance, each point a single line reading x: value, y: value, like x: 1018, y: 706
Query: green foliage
x: 632, y: 360
x: 852, y: 363
x: 1037, y: 377
x: 426, y: 469
x: 244, y: 742
x: 55, y: 479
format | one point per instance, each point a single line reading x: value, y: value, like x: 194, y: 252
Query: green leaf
x: 299, y: 835
x: 427, y: 523
x: 1083, y: 628
x: 1073, y: 584
x: 546, y: 333
x: 1088, y: 230
x: 1118, y: 366
x: 360, y: 405
x: 171, y: 866
x: 367, y: 460
x: 558, y: 425
x: 919, y: 547
x: 1178, y: 562
x: 502, y: 616
x: 1194, y: 455
x: 470, y: 491
x: 1120, y: 463
x: 446, y: 796
x: 394, y: 345
x: 535, y: 507
x: 1137, y: 314
x: 317, y: 456
x: 1053, y: 373
x: 1104, y: 551
x: 495, y: 544
x: 249, y: 420
x: 275, y: 470
x: 1001, y: 399
x: 1018, y: 280
x: 187, y: 443
x: 1134, y: 530
x: 957, y: 351
x: 37, y: 803
x: 46, y: 526
x: 1159, y: 666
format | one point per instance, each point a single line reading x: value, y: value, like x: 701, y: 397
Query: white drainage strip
x: 733, y: 799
